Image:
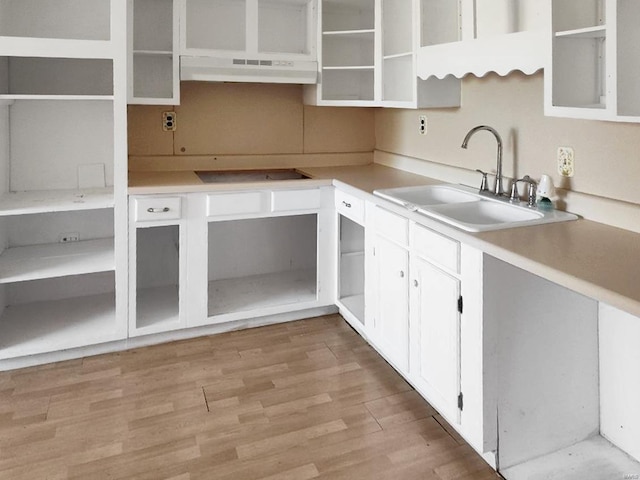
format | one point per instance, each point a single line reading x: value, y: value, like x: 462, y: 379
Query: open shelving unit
x: 276, y: 265
x: 368, y: 58
x: 158, y: 278
x: 351, y: 260
x: 594, y: 66
x: 257, y: 29
x: 63, y: 174
x: 153, y: 58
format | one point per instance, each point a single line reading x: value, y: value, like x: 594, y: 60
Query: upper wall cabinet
x: 153, y: 40
x: 595, y: 64
x: 271, y: 41
x: 480, y: 36
x: 368, y: 57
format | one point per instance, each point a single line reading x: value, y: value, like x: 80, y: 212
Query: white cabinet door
x: 391, y: 317
x: 435, y: 333
x: 153, y: 39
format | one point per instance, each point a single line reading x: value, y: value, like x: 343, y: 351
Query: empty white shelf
x: 35, y: 262
x: 259, y: 291
x: 598, y: 31
x: 50, y: 326
x: 591, y: 459
x: 355, y: 304
x: 12, y: 97
x: 55, y: 47
x: 157, y: 306
x: 21, y: 203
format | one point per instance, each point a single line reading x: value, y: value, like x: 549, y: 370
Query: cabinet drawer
x: 436, y: 248
x: 350, y: 206
x: 390, y: 225
x: 237, y: 203
x: 285, y: 200
x: 158, y: 208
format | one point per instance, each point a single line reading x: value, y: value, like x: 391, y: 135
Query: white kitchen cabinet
x: 593, y: 65
x: 157, y: 264
x: 481, y: 36
x: 424, y: 314
x: 435, y: 328
x: 367, y: 58
x: 350, y: 287
x: 252, y: 29
x: 390, y: 286
x: 255, y: 253
x: 63, y: 170
x: 153, y: 52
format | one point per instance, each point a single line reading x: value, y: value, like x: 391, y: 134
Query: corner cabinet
x: 367, y: 56
x: 480, y: 36
x: 594, y: 63
x: 350, y: 246
x: 63, y: 191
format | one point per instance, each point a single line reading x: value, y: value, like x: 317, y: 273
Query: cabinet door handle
x: 401, y: 274
x: 348, y: 205
x: 158, y: 210
x: 415, y: 283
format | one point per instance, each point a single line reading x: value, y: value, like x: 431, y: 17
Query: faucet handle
x: 484, y: 187
x: 515, y: 197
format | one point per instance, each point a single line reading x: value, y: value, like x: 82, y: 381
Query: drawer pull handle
x: 415, y: 283
x: 401, y: 274
x: 348, y: 205
x: 158, y: 210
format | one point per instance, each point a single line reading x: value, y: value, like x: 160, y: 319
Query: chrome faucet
x: 498, y: 190
x: 515, y: 197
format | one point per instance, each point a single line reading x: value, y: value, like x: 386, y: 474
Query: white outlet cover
x: 566, y: 161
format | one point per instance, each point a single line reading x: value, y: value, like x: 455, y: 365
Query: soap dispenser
x: 545, y: 192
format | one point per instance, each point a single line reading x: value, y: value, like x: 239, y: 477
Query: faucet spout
x: 499, y: 188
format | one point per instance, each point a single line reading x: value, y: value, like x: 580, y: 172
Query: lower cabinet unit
x: 198, y: 259
x: 435, y: 333
x: 391, y: 317
x: 425, y: 301
x: 157, y: 265
x: 389, y: 274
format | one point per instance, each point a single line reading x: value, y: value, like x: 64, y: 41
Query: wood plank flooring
x: 296, y: 401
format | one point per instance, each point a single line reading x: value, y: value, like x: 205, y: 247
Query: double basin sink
x: 465, y: 208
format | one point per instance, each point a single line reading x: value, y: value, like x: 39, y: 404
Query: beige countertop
x: 593, y: 259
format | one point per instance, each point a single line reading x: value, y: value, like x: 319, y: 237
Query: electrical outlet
x: 169, y: 121
x: 565, y: 161
x: 69, y: 237
x: 422, y: 124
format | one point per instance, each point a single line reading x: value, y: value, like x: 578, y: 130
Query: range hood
x: 215, y: 69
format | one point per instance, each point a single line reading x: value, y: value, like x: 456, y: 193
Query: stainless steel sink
x: 465, y: 208
x: 242, y: 176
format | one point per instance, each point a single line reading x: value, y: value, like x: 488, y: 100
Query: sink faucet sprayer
x: 498, y: 190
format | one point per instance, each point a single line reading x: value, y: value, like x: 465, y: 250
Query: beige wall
x: 249, y: 119
x: 607, y: 154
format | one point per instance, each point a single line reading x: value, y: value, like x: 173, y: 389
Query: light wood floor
x: 296, y: 401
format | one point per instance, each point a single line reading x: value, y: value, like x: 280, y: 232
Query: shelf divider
x: 49, y: 201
